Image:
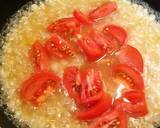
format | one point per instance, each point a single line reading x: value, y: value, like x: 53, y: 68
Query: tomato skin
x: 136, y: 77
x: 34, y: 89
x: 136, y: 104
x: 103, y: 10
x: 119, y: 33
x: 96, y: 110
x: 110, y: 116
x: 82, y: 18
x: 71, y: 81
x: 92, y: 86
x: 89, y: 47
x: 65, y: 27
x: 130, y: 56
x: 38, y: 57
x: 58, y: 47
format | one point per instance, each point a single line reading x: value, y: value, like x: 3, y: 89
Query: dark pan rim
x: 10, y: 22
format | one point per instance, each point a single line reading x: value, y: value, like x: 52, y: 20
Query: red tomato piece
x: 111, y: 119
x: 92, y: 86
x: 89, y: 47
x: 117, y: 32
x: 65, y: 27
x: 39, y: 57
x: 86, y: 87
x: 106, y: 44
x: 58, y: 47
x: 82, y: 18
x: 103, y: 10
x: 133, y: 103
x: 123, y: 119
x: 132, y: 77
x: 95, y: 45
x: 72, y: 82
x: 130, y: 56
x: 35, y: 89
x: 96, y: 110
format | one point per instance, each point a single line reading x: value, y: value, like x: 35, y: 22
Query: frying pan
x: 9, y: 7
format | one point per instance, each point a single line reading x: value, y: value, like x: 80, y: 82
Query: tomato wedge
x: 89, y: 47
x: 111, y: 119
x: 82, y: 18
x: 106, y: 44
x: 96, y: 110
x: 92, y: 86
x: 35, y: 89
x: 86, y: 86
x: 58, y: 47
x: 103, y: 10
x: 127, y: 74
x: 117, y: 32
x: 66, y: 27
x: 95, y: 45
x: 71, y: 81
x: 39, y: 57
x: 133, y: 103
x: 130, y: 56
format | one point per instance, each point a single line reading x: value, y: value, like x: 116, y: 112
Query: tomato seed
x: 127, y: 78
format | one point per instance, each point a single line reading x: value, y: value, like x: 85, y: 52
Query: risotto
x: 58, y: 108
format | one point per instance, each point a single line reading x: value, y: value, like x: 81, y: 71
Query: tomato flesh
x: 58, y: 47
x: 92, y: 85
x: 34, y: 89
x: 71, y: 81
x: 82, y: 18
x: 130, y: 56
x: 132, y: 77
x: 103, y: 10
x: 111, y: 119
x: 133, y: 103
x: 95, y: 45
x: 117, y: 32
x: 39, y: 57
x: 66, y: 27
x: 89, y: 47
x: 106, y: 44
x: 85, y: 86
x: 96, y: 110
